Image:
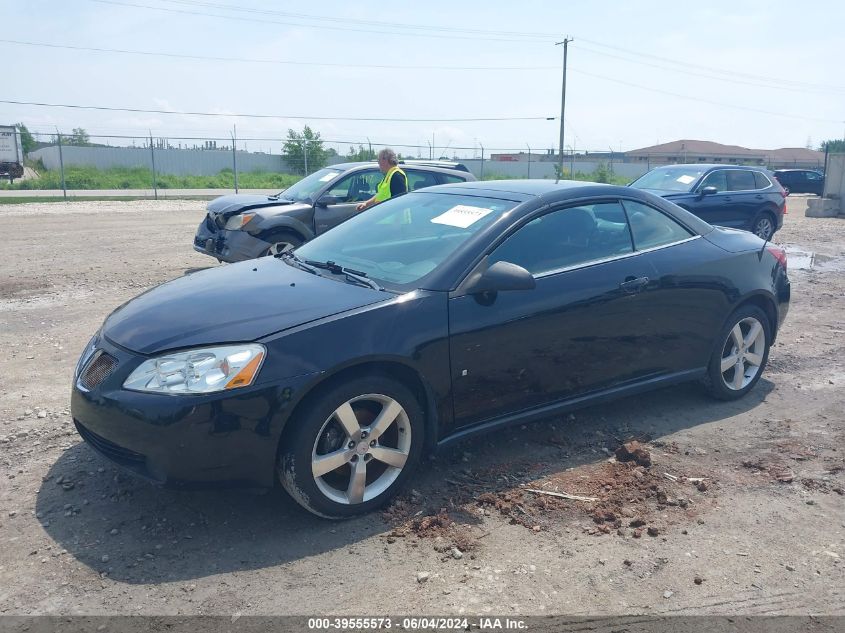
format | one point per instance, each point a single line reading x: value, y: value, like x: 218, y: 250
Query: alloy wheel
x: 361, y: 449
x: 764, y: 228
x: 743, y: 353
x: 278, y: 248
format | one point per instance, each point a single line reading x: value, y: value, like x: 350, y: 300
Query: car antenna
x: 763, y: 248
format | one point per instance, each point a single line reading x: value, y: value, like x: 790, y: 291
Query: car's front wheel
x: 764, y: 226
x: 740, y: 354
x: 353, y: 447
x: 281, y: 243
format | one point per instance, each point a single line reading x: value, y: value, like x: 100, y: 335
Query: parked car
x: 801, y: 180
x: 239, y: 227
x: 432, y: 317
x: 741, y: 197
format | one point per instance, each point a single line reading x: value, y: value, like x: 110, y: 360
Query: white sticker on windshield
x: 461, y: 216
x: 328, y: 177
x: 685, y: 180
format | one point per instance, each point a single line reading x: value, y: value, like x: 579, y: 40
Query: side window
x: 356, y: 187
x: 761, y: 180
x: 811, y: 175
x: 741, y: 180
x: 447, y: 179
x: 568, y: 237
x: 420, y: 179
x: 715, y: 179
x: 651, y: 228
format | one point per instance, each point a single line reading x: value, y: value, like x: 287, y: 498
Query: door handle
x: 633, y: 284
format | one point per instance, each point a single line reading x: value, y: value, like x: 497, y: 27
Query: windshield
x: 405, y: 238
x: 669, y: 178
x: 305, y: 189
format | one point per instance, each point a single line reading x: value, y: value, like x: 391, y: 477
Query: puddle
x: 800, y: 259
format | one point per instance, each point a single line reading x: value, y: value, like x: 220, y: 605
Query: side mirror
x: 501, y: 276
x: 708, y: 191
x: 326, y: 200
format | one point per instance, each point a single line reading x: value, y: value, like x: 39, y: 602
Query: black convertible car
x: 432, y: 316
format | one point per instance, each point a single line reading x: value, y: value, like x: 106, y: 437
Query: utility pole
x: 565, y: 43
x: 153, y: 159
x: 235, y: 154
x: 62, y: 162
x: 529, y: 159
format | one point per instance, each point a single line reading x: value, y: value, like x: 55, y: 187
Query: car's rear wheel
x: 764, y: 225
x: 353, y: 448
x: 282, y: 242
x: 740, y: 354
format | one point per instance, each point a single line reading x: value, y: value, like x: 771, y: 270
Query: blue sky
x: 760, y: 74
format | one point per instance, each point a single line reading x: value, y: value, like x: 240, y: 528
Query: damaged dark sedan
x: 432, y: 317
x: 243, y: 226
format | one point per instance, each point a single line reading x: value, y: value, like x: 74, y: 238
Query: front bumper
x: 227, y: 246
x: 212, y: 439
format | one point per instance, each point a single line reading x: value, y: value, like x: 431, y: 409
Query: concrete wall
x: 179, y: 162
x: 834, y: 180
x: 832, y: 203
x: 520, y: 169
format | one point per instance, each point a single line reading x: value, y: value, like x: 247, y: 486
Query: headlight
x: 202, y: 370
x: 236, y: 222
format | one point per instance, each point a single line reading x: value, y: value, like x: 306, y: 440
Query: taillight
x: 779, y: 254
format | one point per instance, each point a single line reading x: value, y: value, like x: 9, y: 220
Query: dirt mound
x: 621, y: 497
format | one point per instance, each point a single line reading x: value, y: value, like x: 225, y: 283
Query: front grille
x: 97, y: 370
x: 110, y: 449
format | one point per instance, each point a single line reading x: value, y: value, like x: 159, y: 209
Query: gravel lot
x: 753, y: 522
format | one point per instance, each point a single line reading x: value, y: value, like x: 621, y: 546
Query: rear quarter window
x: 741, y: 180
x: 652, y: 228
x: 761, y: 180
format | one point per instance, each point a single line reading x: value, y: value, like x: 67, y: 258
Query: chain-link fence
x: 155, y: 165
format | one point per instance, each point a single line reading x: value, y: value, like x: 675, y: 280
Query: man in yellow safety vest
x: 394, y: 183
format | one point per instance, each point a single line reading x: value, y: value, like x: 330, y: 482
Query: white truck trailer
x: 11, y: 152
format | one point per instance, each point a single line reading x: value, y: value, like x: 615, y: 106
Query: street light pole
x: 565, y: 43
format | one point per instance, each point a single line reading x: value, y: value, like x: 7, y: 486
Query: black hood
x: 235, y: 303
x: 228, y: 206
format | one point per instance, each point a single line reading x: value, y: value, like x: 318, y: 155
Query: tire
x: 281, y: 242
x: 748, y: 332
x: 764, y: 225
x: 345, y: 422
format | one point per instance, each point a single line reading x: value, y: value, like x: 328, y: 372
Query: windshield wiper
x: 291, y: 257
x: 361, y: 277
x: 337, y: 269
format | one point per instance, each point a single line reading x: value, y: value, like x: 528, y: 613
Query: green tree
x: 362, y: 153
x: 304, y: 150
x: 602, y: 173
x: 834, y: 146
x: 78, y: 137
x: 27, y: 140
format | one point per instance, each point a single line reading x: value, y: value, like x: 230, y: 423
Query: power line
x: 349, y: 20
x: 717, y: 103
x: 313, y: 26
x: 729, y: 72
x: 743, y: 82
x: 146, y: 137
x: 532, y: 38
x: 273, y: 116
x: 265, y: 61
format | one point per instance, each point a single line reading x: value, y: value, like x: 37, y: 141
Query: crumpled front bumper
x: 227, y: 246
